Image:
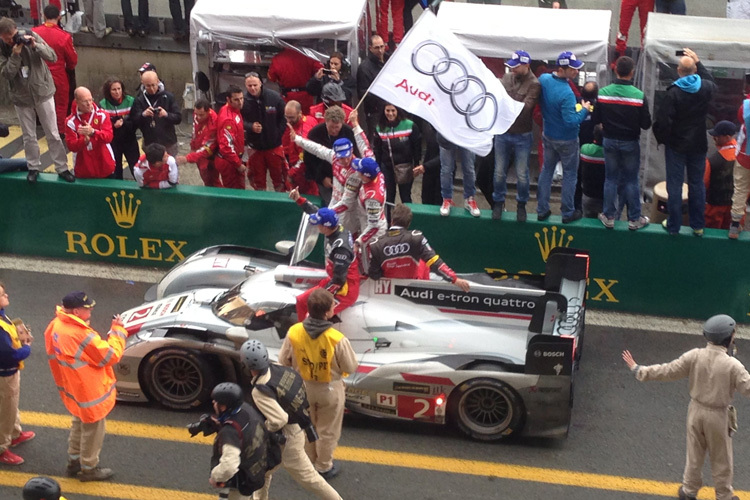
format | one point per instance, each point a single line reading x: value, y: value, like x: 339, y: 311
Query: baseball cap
x: 519, y: 57
x: 724, y: 127
x: 332, y: 92
x: 324, y: 217
x: 367, y: 166
x: 569, y: 59
x: 343, y: 148
x: 146, y: 67
x: 77, y: 299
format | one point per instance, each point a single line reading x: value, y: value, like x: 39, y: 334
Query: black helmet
x: 719, y: 328
x: 254, y: 355
x: 228, y: 394
x: 41, y: 488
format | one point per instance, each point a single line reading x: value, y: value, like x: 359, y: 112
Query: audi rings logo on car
x: 468, y: 94
x: 398, y: 249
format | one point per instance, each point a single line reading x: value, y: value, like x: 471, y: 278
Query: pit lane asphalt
x: 620, y: 429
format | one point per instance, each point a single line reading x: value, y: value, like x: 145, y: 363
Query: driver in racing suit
x: 401, y: 253
x: 340, y: 158
x: 342, y: 266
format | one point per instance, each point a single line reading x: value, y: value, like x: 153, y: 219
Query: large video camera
x: 206, y: 425
x: 20, y: 38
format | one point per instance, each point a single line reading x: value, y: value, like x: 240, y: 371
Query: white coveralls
x: 293, y: 456
x: 713, y: 377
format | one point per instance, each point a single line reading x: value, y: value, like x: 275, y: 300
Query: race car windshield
x: 231, y: 307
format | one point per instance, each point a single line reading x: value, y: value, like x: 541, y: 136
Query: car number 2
x: 416, y: 408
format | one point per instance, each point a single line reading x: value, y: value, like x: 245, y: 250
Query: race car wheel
x: 486, y: 409
x: 179, y: 379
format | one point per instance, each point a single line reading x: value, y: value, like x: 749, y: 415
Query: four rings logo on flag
x: 468, y: 94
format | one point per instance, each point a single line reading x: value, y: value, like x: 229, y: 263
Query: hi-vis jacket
x: 81, y: 364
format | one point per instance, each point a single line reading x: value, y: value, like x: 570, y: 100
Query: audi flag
x: 434, y: 76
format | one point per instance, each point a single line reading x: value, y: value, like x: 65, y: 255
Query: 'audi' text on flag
x: 434, y: 76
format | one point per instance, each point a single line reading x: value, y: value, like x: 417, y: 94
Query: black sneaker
x: 544, y: 216
x: 67, y: 176
x: 497, y: 210
x: 682, y: 496
x: 573, y: 217
x: 521, y: 212
x: 331, y: 473
x: 32, y: 176
x: 73, y: 468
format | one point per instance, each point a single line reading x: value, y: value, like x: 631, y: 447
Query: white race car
x: 497, y: 361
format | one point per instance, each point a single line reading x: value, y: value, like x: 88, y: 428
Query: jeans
x: 519, y: 145
x: 567, y: 153
x: 448, y: 165
x: 677, y: 163
x: 127, y: 13
x: 179, y: 25
x: 622, y: 162
x: 671, y: 7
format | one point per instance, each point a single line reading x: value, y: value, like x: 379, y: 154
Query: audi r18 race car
x: 497, y: 361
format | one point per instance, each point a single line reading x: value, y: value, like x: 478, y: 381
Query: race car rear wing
x: 567, y: 263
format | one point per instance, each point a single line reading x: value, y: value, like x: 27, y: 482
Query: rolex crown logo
x: 124, y: 210
x: 550, y: 241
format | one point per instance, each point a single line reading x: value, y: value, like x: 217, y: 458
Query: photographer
x: 279, y: 393
x: 32, y: 91
x: 240, y: 460
x: 155, y: 112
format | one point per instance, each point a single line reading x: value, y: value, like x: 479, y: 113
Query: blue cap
x: 324, y: 217
x: 569, y: 59
x: 342, y: 148
x: 724, y: 127
x: 75, y: 300
x: 519, y: 57
x: 367, y: 166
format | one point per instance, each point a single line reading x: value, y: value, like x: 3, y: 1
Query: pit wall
x: 646, y: 272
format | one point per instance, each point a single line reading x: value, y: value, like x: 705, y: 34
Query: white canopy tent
x: 498, y: 30
x: 277, y: 23
x: 722, y: 45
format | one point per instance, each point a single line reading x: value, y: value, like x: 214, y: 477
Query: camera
x: 326, y: 70
x: 206, y: 425
x: 679, y: 53
x: 20, y: 38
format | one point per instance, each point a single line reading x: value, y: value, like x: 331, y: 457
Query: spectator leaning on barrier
x: 292, y: 70
x: 117, y: 104
x: 89, y: 132
x: 203, y: 145
x: 622, y: 110
x: 15, y: 347
x: 263, y: 114
x: 713, y: 374
x: 681, y: 126
x: 718, y: 177
x: 522, y: 86
x: 62, y: 43
x: 81, y: 364
x: 156, y: 169
x: 560, y: 137
x: 302, y: 125
x: 323, y: 356
x: 156, y: 112
x: 32, y: 89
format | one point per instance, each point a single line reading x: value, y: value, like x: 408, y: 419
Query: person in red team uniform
x: 230, y: 135
x: 401, y: 253
x: 301, y: 124
x: 291, y: 70
x: 89, y: 132
x: 67, y: 58
x: 156, y: 169
x: 203, y: 145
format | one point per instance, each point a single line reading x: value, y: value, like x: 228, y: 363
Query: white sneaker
x: 471, y: 206
x: 445, y: 209
x: 641, y: 222
x: 84, y: 29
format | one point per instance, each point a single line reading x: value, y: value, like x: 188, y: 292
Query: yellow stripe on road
x: 15, y: 133
x: 72, y: 486
x: 408, y: 460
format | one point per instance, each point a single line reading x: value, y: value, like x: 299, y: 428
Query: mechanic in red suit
x: 342, y: 265
x: 35, y: 11
x: 397, y: 13
x: 401, y: 253
x: 627, y: 9
x: 67, y: 58
x: 302, y: 124
x: 203, y: 144
x: 89, y: 132
x: 230, y: 135
x: 291, y: 70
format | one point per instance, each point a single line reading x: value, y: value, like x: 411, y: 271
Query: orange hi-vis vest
x: 314, y: 356
x: 15, y: 342
x: 81, y: 364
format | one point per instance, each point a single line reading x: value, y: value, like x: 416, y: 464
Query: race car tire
x: 179, y: 379
x: 486, y: 409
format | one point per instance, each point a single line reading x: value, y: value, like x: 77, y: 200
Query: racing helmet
x: 717, y: 329
x: 367, y: 166
x: 228, y: 394
x: 254, y: 355
x: 342, y: 147
x: 324, y: 217
x: 41, y: 488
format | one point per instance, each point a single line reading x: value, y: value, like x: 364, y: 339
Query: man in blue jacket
x: 560, y: 136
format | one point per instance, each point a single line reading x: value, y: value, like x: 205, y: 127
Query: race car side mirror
x: 285, y: 247
x: 381, y: 342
